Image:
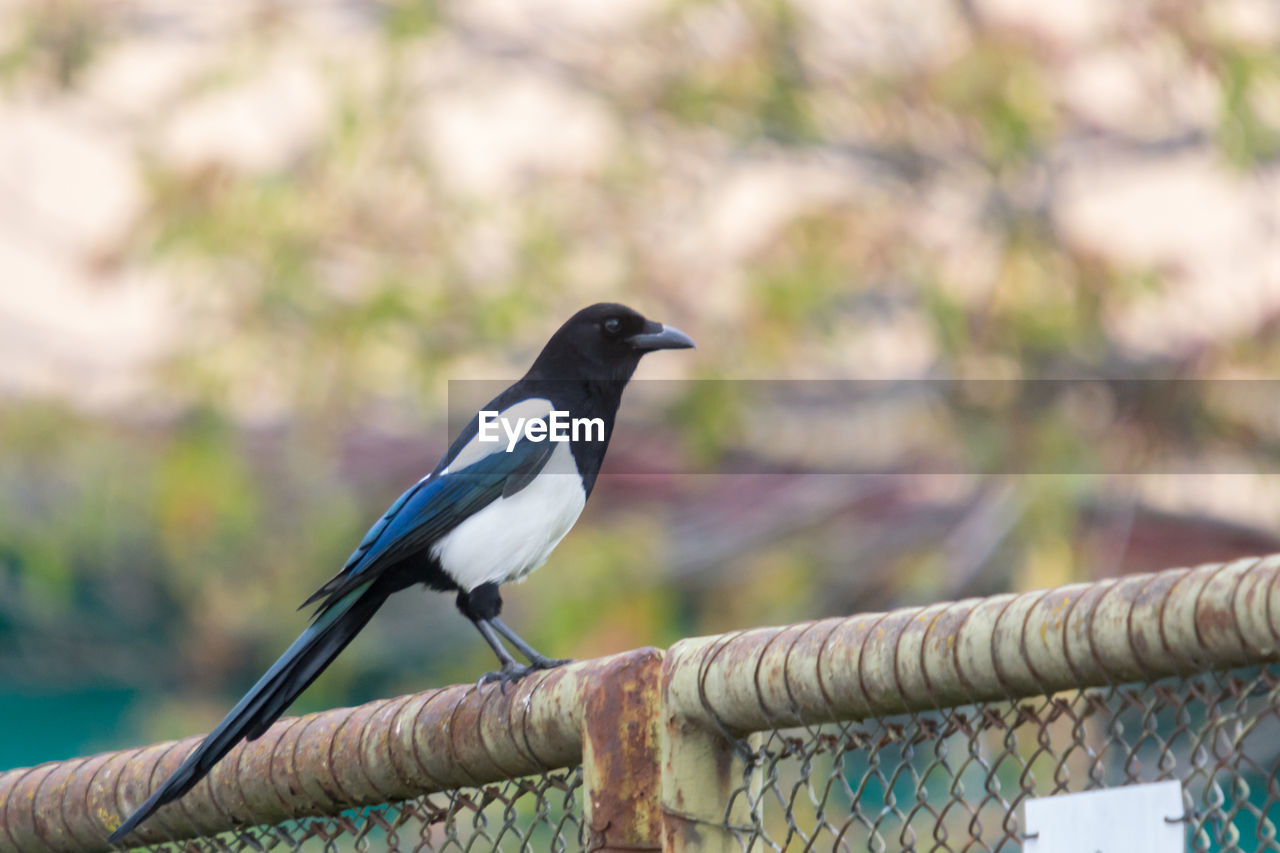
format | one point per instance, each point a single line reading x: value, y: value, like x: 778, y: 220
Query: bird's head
x: 605, y: 341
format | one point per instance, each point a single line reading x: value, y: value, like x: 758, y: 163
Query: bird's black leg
x: 511, y: 669
x: 536, y: 659
x: 504, y: 657
x: 482, y: 605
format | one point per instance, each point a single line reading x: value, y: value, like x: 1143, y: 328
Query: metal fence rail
x: 919, y: 729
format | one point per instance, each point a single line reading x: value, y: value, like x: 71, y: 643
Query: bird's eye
x: 613, y: 325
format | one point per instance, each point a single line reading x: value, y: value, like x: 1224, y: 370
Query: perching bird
x: 490, y: 512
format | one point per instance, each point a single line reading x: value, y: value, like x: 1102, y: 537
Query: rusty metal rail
x: 326, y: 762
x: 658, y: 736
x: 1136, y: 628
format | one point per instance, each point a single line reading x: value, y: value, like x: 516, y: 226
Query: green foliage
x: 406, y: 20
x: 208, y: 513
x: 1247, y: 76
x: 54, y: 43
x: 66, y: 501
x: 948, y: 320
x: 997, y: 87
x: 761, y: 92
x: 800, y: 285
x: 711, y: 417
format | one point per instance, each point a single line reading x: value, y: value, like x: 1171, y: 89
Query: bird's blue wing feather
x: 432, y: 508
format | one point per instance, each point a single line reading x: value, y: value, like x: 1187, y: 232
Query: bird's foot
x: 510, y: 673
x: 548, y: 663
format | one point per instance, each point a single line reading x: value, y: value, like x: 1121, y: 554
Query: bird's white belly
x: 513, y: 536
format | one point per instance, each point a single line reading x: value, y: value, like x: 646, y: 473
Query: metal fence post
x: 701, y: 768
x: 620, y: 754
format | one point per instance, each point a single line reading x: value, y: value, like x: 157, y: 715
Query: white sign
x: 1131, y: 819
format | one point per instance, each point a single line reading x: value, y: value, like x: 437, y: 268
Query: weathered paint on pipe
x: 1135, y: 628
x: 318, y: 764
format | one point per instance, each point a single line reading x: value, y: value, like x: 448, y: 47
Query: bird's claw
x: 510, y: 673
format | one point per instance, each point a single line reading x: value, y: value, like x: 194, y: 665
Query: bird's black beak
x: 657, y: 336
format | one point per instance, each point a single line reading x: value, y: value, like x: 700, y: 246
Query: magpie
x: 489, y: 513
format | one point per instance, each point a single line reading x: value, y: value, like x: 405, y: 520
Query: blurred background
x: 246, y: 246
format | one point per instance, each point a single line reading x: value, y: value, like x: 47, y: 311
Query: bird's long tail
x: 266, y: 701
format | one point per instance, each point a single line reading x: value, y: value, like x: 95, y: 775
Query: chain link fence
x: 925, y: 729
x: 542, y: 812
x: 956, y: 779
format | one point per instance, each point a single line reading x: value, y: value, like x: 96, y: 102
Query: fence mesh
x: 955, y: 779
x: 536, y: 813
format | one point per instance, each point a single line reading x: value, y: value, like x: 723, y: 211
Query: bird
x: 489, y: 513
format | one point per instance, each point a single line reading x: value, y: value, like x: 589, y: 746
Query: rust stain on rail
x: 620, y: 754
